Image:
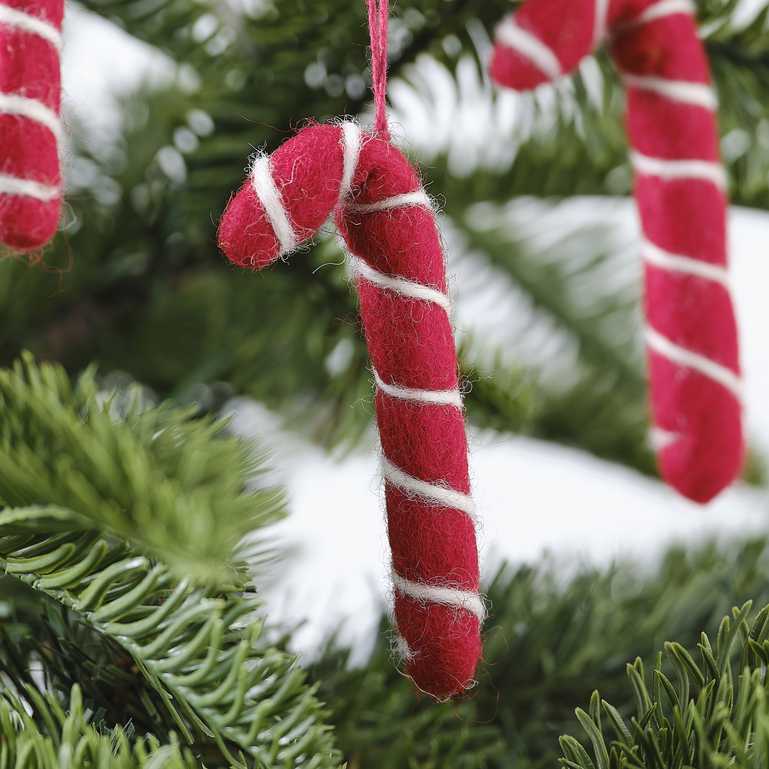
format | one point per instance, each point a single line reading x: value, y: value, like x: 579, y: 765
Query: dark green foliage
x: 201, y: 668
x: 599, y: 402
x: 151, y: 474
x: 552, y: 641
x: 50, y: 738
x: 706, y: 708
x: 118, y: 538
x: 135, y: 282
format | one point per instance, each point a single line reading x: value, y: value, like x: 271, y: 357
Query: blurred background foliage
x: 135, y: 282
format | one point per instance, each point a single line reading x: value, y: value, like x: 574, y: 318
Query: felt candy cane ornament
x: 388, y: 224
x: 691, y: 333
x: 30, y: 128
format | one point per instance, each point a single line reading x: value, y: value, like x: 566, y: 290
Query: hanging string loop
x: 378, y: 17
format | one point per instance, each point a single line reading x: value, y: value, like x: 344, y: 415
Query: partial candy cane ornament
x: 30, y: 128
x: 389, y: 226
x: 691, y: 334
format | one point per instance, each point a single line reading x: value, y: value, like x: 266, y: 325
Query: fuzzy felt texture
x: 411, y: 346
x: 564, y: 26
x: 671, y: 117
x: 29, y: 153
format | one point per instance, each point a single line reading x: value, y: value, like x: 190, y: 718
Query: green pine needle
x: 708, y: 710
x: 37, y: 733
x: 196, y: 655
x: 173, y: 484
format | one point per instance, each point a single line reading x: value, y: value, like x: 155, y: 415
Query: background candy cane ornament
x: 691, y: 334
x: 388, y: 224
x: 30, y: 128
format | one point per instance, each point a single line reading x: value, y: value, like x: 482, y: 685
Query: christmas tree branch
x: 163, y: 627
x: 554, y: 639
x: 50, y: 738
x: 708, y: 709
x: 154, y: 475
x: 194, y: 659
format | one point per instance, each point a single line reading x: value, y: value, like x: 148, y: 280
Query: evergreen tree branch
x: 195, y: 656
x: 173, y: 484
x: 553, y: 641
x: 707, y: 709
x: 50, y: 738
x: 597, y: 400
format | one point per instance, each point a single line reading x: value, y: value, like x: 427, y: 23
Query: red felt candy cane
x: 691, y: 331
x: 30, y: 128
x: 388, y: 224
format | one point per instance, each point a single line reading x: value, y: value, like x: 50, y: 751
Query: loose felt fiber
x: 692, y: 345
x: 30, y: 128
x: 390, y: 230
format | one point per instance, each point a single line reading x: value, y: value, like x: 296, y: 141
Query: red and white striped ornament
x: 691, y: 332
x: 388, y: 224
x: 30, y: 127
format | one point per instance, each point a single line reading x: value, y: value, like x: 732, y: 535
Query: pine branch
x: 246, y: 114
x: 598, y: 400
x: 173, y: 484
x: 707, y: 709
x: 50, y: 738
x: 195, y: 656
x: 553, y: 641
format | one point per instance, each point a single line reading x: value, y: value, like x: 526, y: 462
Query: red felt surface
x: 51, y: 11
x: 29, y: 68
x: 35, y: 157
x: 686, y: 217
x: 710, y: 450
x: 565, y: 26
x: 409, y: 341
x: 447, y: 642
x: 668, y: 47
x: 658, y: 128
x: 245, y: 234
x: 411, y: 345
x: 435, y: 451
x: 441, y: 546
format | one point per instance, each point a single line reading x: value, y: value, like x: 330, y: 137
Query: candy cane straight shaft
x: 389, y: 226
x: 691, y: 334
x: 30, y: 128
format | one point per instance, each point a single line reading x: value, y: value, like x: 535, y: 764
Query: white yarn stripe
x: 434, y: 397
x: 685, y: 92
x: 668, y: 170
x: 351, y: 145
x: 660, y: 10
x: 660, y: 439
x: 447, y: 596
x: 683, y: 357
x: 22, y: 106
x: 416, y: 198
x: 601, y: 16
x: 667, y: 260
x: 269, y: 197
x: 402, y: 649
x: 400, y: 286
x: 12, y: 185
x: 430, y: 492
x: 509, y: 34
x: 32, y: 24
